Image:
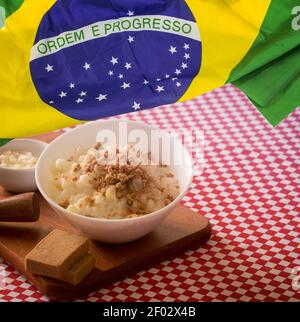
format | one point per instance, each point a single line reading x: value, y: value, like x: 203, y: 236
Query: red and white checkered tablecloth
x: 249, y: 190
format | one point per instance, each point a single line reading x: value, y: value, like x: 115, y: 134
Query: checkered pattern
x: 249, y: 190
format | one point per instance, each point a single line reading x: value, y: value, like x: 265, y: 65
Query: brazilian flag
x: 64, y: 62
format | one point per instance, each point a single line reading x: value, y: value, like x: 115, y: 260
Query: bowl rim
x: 116, y: 220
x: 41, y: 143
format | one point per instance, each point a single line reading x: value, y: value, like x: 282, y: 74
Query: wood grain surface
x: 182, y: 229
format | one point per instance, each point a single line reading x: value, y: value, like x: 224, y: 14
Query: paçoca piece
x: 17, y: 159
x: 61, y: 255
x: 96, y: 182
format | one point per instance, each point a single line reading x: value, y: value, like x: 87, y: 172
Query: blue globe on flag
x: 93, y: 59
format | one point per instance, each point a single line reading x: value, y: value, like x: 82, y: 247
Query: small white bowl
x: 109, y: 230
x: 20, y: 180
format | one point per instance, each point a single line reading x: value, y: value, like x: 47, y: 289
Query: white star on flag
x: 160, y: 89
x: 187, y: 56
x: 130, y: 13
x: 130, y: 39
x: 86, y: 66
x: 114, y: 60
x: 184, y: 65
x: 136, y: 106
x: 82, y: 93
x: 62, y: 94
x: 172, y: 50
x: 175, y: 71
x: 127, y: 66
x: 125, y: 85
x: 178, y: 71
x: 186, y: 46
x: 49, y: 68
x: 101, y: 97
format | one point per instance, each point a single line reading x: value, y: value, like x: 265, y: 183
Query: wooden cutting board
x: 182, y: 229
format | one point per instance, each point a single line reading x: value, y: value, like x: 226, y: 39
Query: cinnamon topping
x: 119, y: 189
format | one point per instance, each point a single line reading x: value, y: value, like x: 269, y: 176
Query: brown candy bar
x: 54, y: 255
x: 20, y: 208
x: 80, y: 270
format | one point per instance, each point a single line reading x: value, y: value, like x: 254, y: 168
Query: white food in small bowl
x: 18, y: 160
x: 111, y: 220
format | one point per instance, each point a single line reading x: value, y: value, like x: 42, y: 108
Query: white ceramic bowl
x: 20, y: 180
x: 109, y: 230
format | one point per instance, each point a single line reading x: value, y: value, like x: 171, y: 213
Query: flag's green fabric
x: 3, y: 141
x: 269, y: 74
x: 68, y: 61
x: 7, y: 7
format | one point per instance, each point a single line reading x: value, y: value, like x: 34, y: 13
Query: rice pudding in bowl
x: 118, y: 225
x: 18, y: 160
x: 111, y: 182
